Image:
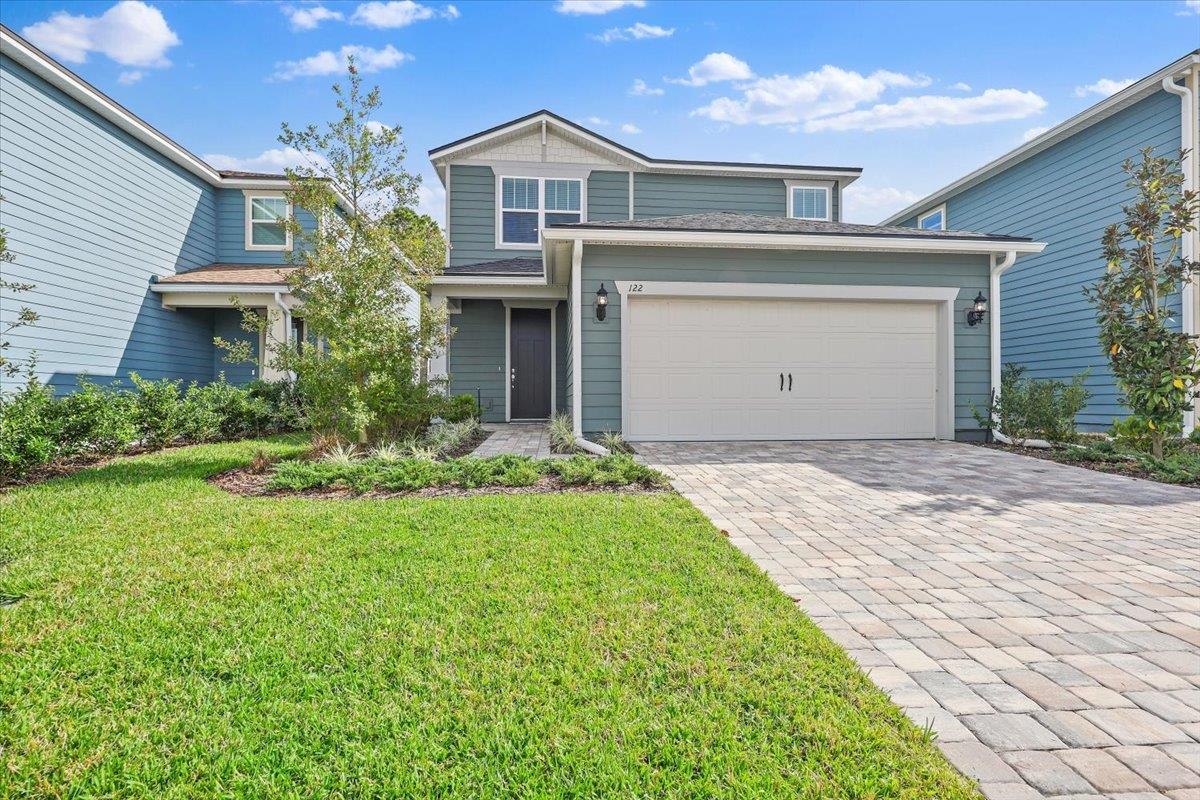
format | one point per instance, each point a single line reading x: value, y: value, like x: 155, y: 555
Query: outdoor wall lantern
x: 978, y: 309
x: 601, y: 303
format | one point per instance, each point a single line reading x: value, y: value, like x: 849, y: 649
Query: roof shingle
x: 248, y: 274
x: 512, y: 267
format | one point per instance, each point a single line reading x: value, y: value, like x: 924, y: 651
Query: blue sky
x: 915, y: 93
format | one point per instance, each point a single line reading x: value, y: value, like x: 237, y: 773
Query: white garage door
x: 710, y: 369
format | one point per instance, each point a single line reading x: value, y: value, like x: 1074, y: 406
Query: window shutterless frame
x: 261, y: 213
x: 933, y: 220
x: 824, y: 199
x: 542, y: 213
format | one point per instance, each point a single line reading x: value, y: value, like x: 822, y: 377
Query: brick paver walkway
x: 519, y: 438
x: 1043, y: 619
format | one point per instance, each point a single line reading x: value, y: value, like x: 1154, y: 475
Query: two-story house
x: 702, y: 300
x: 1065, y: 187
x: 135, y: 246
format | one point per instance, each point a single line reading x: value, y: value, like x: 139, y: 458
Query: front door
x: 529, y: 363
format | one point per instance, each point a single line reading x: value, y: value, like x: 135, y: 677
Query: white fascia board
x: 441, y: 158
x: 234, y: 288
x: 1102, y: 110
x: 487, y: 280
x: 480, y: 291
x: 790, y: 241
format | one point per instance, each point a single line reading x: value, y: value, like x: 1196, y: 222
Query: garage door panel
x: 708, y: 368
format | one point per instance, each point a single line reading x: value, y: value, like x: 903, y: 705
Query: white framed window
x: 525, y: 205
x: 809, y: 201
x: 934, y: 220
x: 265, y: 215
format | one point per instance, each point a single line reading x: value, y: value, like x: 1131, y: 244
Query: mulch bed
x: 468, y: 446
x: 1130, y: 469
x: 246, y: 482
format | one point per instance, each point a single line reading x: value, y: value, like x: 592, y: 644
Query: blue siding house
x: 700, y: 300
x: 1063, y: 188
x: 135, y: 246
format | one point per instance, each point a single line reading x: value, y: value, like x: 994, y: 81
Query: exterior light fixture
x: 977, y: 311
x: 601, y: 303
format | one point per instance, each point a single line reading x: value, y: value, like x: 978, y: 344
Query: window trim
x: 935, y: 210
x: 541, y: 209
x: 251, y: 196
x: 826, y: 187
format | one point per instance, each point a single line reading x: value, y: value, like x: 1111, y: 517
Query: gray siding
x: 602, y: 340
x: 473, y: 217
x: 608, y: 196
x: 92, y: 215
x: 560, y: 357
x: 475, y: 356
x: 1065, y: 196
x: 656, y: 195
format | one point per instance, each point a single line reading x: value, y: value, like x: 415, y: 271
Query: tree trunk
x: 1156, y: 444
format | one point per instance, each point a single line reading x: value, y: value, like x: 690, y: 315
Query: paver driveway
x: 1043, y: 619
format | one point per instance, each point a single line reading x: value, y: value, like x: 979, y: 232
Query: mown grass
x: 176, y: 641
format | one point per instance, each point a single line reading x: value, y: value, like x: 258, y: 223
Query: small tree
x: 360, y: 374
x: 10, y: 367
x: 1157, y: 367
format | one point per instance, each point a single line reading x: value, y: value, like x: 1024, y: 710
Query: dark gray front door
x: 529, y: 363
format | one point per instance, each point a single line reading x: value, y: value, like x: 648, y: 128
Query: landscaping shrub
x: 411, y: 474
x: 219, y: 409
x: 1033, y: 408
x: 95, y: 420
x: 562, y: 434
x: 284, y: 403
x: 158, y: 409
x: 28, y: 437
x: 614, y: 442
x: 460, y: 408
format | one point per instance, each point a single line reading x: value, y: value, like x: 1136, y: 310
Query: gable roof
x: 1131, y: 94
x: 48, y: 69
x: 529, y: 122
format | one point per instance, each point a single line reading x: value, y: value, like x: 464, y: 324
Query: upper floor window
x: 933, y: 220
x: 808, y: 202
x: 529, y: 204
x: 265, y: 217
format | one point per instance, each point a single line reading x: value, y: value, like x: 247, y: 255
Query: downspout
x: 1188, y: 291
x: 577, y: 352
x: 995, y: 356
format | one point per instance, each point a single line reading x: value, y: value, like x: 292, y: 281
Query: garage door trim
x: 943, y: 296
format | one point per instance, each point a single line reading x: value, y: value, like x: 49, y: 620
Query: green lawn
x: 175, y: 641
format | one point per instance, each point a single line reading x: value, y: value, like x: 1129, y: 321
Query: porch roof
x: 231, y: 275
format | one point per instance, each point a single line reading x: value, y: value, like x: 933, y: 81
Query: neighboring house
x: 1063, y: 188
x: 135, y: 245
x: 701, y: 300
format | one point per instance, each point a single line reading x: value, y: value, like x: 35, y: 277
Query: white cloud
x: 597, y: 121
x: 1103, y: 87
x: 1033, y: 133
x: 961, y: 87
x: 1190, y: 7
x: 796, y: 99
x: 328, y: 62
x: 397, y: 13
x: 592, y: 7
x: 873, y: 203
x: 309, y: 17
x: 716, y: 67
x: 928, y: 110
x: 640, y: 89
x: 274, y: 161
x: 130, y: 77
x: 629, y: 127
x: 130, y: 33
x: 376, y: 127
x: 639, y: 30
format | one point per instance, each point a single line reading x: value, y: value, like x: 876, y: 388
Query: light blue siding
x: 608, y: 196
x: 1065, y: 196
x: 602, y: 340
x: 231, y: 231
x: 92, y: 215
x: 227, y: 323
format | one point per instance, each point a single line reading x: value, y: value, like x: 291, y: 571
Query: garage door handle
x: 781, y: 381
x: 789, y: 381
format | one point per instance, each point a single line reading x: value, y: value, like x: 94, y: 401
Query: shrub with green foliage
x: 411, y: 474
x: 1032, y: 408
x: 460, y: 408
x: 562, y: 434
x: 93, y: 419
x: 221, y: 410
x: 28, y: 437
x: 158, y: 409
